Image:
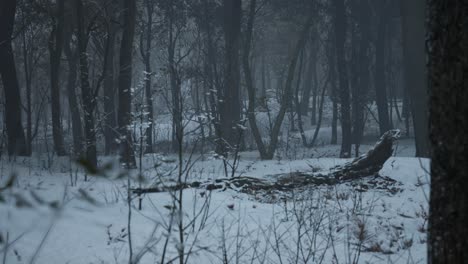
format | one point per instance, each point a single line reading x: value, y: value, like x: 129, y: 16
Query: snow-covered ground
x: 44, y: 219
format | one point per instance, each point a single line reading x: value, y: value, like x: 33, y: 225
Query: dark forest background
x: 89, y: 78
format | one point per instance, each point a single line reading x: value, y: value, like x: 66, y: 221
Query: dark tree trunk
x: 308, y: 83
x: 28, y: 62
x: 380, y: 87
x: 320, y: 115
x: 127, y: 155
x: 295, y: 105
x: 313, y: 113
x: 355, y: 89
x: 89, y: 102
x: 263, y: 93
x: 331, y: 54
x: 55, y: 52
x: 406, y: 111
x: 448, y: 65
x: 340, y: 38
x: 211, y: 70
x: 29, y: 110
x: 334, y: 135
x: 362, y: 87
x: 262, y: 148
x: 230, y: 104
x: 110, y: 116
x: 313, y: 85
x: 176, y: 93
x: 414, y: 59
x: 77, y: 127
x: 16, y: 139
x: 148, y: 77
x: 397, y: 108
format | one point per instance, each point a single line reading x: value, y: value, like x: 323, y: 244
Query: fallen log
x: 366, y: 165
x: 371, y: 162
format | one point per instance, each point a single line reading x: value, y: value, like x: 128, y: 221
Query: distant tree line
x: 93, y: 70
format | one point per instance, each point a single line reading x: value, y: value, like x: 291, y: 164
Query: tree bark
x: 89, y: 102
x: 210, y: 69
x: 148, y: 76
x: 262, y: 149
x: 230, y: 105
x: 127, y: 155
x: 448, y: 81
x: 406, y: 112
x: 28, y: 67
x: 77, y: 127
x: 360, y: 90
x: 414, y: 59
x: 16, y: 139
x: 309, y: 83
x: 176, y: 92
x: 331, y: 54
x: 380, y: 87
x: 263, y: 91
x: 320, y: 115
x: 55, y: 52
x: 110, y: 115
x: 340, y: 38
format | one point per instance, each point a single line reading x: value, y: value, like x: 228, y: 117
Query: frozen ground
x: 43, y: 219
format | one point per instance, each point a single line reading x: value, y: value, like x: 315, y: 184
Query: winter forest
x: 233, y: 131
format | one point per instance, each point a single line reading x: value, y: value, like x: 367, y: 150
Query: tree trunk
x: 263, y: 91
x: 28, y: 72
x: 127, y: 155
x: 355, y: 89
x: 262, y: 149
x: 380, y: 87
x: 77, y: 127
x: 110, y: 116
x: 448, y: 65
x: 16, y: 139
x: 55, y: 52
x: 320, y: 115
x: 361, y: 91
x: 414, y: 59
x: 331, y: 54
x: 313, y: 84
x: 211, y: 71
x: 334, y: 132
x: 230, y: 101
x: 87, y: 93
x: 148, y: 76
x: 176, y: 93
x: 308, y: 82
x: 313, y: 113
x: 406, y: 111
x: 295, y: 104
x: 340, y: 38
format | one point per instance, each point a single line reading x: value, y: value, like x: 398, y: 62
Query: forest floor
x: 51, y: 215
